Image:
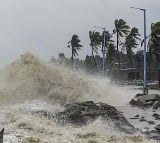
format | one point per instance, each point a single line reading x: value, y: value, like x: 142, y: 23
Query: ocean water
x: 28, y: 85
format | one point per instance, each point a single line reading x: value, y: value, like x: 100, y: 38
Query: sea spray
x: 28, y: 77
x: 28, y: 80
x: 21, y: 126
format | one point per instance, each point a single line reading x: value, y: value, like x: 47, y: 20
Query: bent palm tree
x: 110, y: 55
x: 121, y: 30
x: 154, y: 46
x: 110, y: 48
x: 74, y: 43
x: 154, y: 39
x: 131, y: 42
x: 95, y: 42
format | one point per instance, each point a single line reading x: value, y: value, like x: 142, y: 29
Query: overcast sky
x: 44, y: 27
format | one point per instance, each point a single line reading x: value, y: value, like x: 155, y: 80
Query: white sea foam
x: 29, y: 85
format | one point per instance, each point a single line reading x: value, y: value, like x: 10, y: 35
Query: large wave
x: 29, y: 77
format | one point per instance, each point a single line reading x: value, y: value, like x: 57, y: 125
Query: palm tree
x: 74, y: 43
x: 110, y: 48
x: 110, y: 55
x: 121, y: 30
x: 95, y: 42
x: 154, y: 46
x: 131, y: 42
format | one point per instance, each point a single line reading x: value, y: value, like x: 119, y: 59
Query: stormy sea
x: 29, y: 85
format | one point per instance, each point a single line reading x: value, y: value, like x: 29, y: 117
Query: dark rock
x: 82, y: 113
x: 147, y: 131
x: 1, y: 135
x: 156, y: 105
x: 157, y: 127
x: 142, y: 120
x: 151, y: 122
x: 157, y: 116
x: 152, y: 134
x: 145, y: 100
x: 134, y: 118
x: 137, y: 116
x: 154, y: 137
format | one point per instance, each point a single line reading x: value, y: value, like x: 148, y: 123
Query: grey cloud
x: 45, y: 26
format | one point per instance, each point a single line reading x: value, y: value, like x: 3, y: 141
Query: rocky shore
x: 83, y: 113
x: 149, y: 104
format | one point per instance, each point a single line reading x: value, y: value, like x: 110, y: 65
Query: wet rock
x: 152, y: 134
x: 157, y: 127
x: 86, y: 112
x: 137, y: 116
x: 142, y: 119
x: 154, y: 137
x: 157, y: 116
x: 156, y: 105
x: 145, y: 100
x: 151, y: 122
x: 1, y: 135
x: 147, y: 130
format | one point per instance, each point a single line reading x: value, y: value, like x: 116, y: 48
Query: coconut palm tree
x: 110, y: 48
x: 131, y: 42
x: 121, y: 29
x: 95, y: 43
x: 154, y: 38
x: 110, y: 55
x: 74, y: 43
x: 154, y: 46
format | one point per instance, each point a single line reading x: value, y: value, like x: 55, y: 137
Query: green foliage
x: 74, y: 43
x: 121, y: 30
x: 121, y: 27
x: 95, y: 41
x: 154, y: 41
x: 131, y: 42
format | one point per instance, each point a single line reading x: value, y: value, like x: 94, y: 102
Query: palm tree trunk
x: 94, y: 60
x: 118, y: 55
x: 149, y: 66
x: 92, y: 50
x: 72, y: 57
x: 158, y: 70
x: 130, y: 60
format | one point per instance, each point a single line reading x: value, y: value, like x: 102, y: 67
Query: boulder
x: 1, y: 135
x: 157, y: 116
x: 157, y: 127
x: 145, y: 100
x: 151, y: 122
x: 156, y: 105
x: 83, y: 113
x: 142, y: 119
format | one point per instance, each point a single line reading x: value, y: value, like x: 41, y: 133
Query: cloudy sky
x: 44, y: 27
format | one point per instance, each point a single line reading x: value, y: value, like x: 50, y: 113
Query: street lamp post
x: 145, y: 90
